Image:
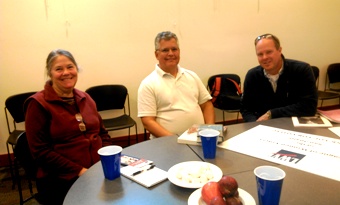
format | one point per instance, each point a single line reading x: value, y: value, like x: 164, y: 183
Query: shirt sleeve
x: 146, y: 100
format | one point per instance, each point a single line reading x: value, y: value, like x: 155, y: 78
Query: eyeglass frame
x: 268, y: 36
x: 167, y: 50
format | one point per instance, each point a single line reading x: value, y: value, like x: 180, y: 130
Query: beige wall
x: 112, y: 40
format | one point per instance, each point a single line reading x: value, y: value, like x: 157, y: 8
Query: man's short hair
x: 165, y: 35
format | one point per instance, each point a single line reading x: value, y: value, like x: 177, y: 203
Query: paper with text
x: 311, y: 153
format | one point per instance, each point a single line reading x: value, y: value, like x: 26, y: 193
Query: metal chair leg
x: 11, y: 166
x: 18, y: 180
x: 136, y: 133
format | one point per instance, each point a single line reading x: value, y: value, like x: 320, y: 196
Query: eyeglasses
x: 262, y: 37
x: 167, y: 50
x: 82, y: 125
x: 269, y: 36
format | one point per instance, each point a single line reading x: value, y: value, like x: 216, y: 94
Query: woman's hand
x: 82, y: 171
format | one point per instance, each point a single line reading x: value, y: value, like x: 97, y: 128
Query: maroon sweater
x: 61, y: 150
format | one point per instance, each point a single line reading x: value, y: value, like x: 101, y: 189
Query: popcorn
x: 195, y: 174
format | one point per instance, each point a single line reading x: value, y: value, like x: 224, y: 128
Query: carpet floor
x: 9, y: 196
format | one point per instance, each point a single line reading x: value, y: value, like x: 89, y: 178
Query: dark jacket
x: 296, y: 93
x: 56, y: 142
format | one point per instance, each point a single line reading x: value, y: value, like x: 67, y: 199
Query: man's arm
x: 248, y: 98
x: 248, y: 116
x: 154, y: 127
x: 208, y: 112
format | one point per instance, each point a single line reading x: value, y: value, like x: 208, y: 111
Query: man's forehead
x: 168, y: 41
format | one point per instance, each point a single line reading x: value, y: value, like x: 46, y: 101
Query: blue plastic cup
x: 209, y: 142
x: 269, y: 182
x: 110, y: 158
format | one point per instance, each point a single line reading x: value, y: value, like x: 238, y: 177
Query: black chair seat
x: 118, y: 123
x: 13, y: 137
x: 322, y: 95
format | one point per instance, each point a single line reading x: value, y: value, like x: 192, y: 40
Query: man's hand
x: 265, y: 116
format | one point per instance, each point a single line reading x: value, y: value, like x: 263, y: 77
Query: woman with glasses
x: 64, y: 129
x: 278, y: 87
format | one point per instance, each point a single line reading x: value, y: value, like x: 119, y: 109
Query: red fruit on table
x: 209, y: 191
x: 236, y: 194
x: 233, y: 201
x: 217, y: 201
x: 228, y: 186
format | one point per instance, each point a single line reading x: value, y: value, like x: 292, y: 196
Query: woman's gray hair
x: 52, y: 56
x: 165, y: 35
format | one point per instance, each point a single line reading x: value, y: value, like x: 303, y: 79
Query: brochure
x: 135, y: 161
x: 142, y: 171
x: 191, y: 135
x: 331, y: 115
x: 313, y: 121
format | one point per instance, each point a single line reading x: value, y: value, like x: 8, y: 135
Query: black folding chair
x: 230, y: 95
x: 114, y: 97
x: 23, y: 158
x: 323, y: 95
x: 14, y: 109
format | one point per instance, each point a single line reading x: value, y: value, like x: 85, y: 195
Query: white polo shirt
x: 173, y: 101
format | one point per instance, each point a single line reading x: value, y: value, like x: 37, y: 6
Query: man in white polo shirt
x: 171, y: 99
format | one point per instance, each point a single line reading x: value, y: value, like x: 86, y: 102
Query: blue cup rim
x: 110, y: 150
x: 281, y: 176
x: 211, y: 133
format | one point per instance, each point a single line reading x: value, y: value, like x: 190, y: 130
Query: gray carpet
x: 9, y: 196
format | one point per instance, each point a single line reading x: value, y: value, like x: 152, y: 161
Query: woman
x: 64, y: 129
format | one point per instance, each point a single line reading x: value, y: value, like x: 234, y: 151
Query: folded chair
x: 14, y: 111
x: 323, y: 95
x: 113, y: 97
x: 226, y: 92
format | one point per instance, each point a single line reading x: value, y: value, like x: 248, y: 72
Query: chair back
x: 228, y: 96
x: 24, y: 157
x: 14, y: 105
x: 333, y: 72
x: 316, y: 73
x: 109, y: 97
x: 230, y: 86
x: 333, y: 76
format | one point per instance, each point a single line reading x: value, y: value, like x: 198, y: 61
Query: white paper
x: 311, y: 153
x: 146, y: 178
x: 335, y: 130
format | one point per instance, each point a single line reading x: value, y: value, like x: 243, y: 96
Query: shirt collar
x: 161, y: 72
x: 269, y: 76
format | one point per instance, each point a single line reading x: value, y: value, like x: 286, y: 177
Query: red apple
x: 217, y: 200
x: 228, y: 186
x: 210, y: 190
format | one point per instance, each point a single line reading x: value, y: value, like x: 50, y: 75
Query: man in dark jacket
x: 278, y: 87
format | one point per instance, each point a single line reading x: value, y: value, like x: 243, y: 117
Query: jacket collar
x: 51, y: 95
